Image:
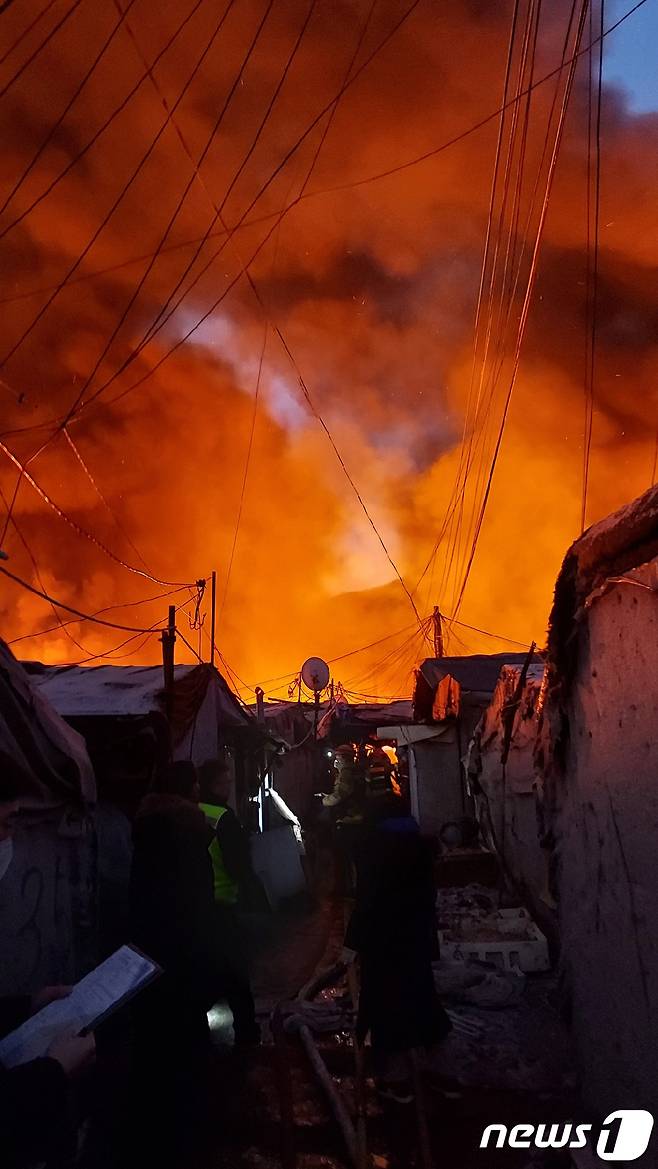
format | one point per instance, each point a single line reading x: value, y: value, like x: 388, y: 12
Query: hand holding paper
x: 73, y: 1053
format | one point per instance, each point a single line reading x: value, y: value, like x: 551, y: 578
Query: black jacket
x: 36, y: 1121
x: 393, y: 928
x: 171, y: 884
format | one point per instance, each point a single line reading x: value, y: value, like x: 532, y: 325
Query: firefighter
x: 346, y: 798
x: 379, y: 774
x: 343, y: 810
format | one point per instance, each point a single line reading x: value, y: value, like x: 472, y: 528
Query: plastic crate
x: 528, y: 954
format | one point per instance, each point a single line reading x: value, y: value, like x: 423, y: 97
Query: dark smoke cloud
x: 374, y: 288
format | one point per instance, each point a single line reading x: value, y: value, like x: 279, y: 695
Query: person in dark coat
x: 37, y: 1118
x: 172, y: 906
x: 393, y: 931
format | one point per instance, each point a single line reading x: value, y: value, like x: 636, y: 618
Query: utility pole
x: 168, y: 643
x: 437, y: 625
x: 213, y: 602
x: 260, y: 707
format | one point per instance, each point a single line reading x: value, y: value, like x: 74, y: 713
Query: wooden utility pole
x: 213, y: 602
x: 168, y: 643
x: 437, y: 624
x: 260, y: 707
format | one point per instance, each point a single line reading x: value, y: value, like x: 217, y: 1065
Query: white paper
x: 121, y: 974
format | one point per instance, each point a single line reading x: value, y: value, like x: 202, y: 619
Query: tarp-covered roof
x: 283, y: 716
x: 42, y: 758
x: 377, y: 714
x: 475, y: 673
x: 119, y: 691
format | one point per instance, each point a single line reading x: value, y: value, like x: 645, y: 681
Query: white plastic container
x: 528, y: 952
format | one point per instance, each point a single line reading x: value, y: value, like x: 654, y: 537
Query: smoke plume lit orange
x: 372, y: 286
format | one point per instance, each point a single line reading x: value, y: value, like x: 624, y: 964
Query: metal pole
x: 316, y: 714
x: 213, y: 601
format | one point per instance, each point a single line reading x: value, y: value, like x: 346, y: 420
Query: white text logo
x: 624, y: 1135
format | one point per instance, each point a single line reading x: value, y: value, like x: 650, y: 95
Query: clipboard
x: 93, y: 999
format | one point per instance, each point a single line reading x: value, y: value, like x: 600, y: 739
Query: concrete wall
x: 48, y: 906
x: 607, y: 829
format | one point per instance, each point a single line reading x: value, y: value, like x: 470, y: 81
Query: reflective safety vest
x: 225, y: 888
x: 378, y: 778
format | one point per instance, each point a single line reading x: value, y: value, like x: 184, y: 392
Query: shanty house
x: 48, y: 896
x: 132, y: 727
x: 599, y: 750
x: 449, y: 697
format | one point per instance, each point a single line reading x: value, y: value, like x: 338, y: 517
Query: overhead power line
x: 170, y: 112
x: 27, y: 30
x: 33, y: 56
x: 78, y: 527
x: 106, y: 503
x: 44, y: 308
x: 108, y: 216
x: 69, y: 608
x: 112, y: 653
x: 107, y: 609
x: 592, y: 284
x: 524, y: 312
x: 466, y: 133
x: 280, y: 166
x: 501, y: 273
x: 245, y: 475
x: 21, y: 536
x: 69, y: 105
x: 196, y: 165
x: 276, y: 215
x: 347, y: 186
x: 103, y: 127
x: 416, y: 161
x: 218, y: 216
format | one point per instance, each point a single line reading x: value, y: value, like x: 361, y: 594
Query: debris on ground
x: 480, y: 983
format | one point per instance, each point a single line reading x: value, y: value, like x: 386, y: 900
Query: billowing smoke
x: 373, y: 287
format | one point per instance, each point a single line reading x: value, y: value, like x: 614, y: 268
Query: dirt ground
x: 510, y: 1065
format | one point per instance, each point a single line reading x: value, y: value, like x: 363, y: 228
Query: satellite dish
x: 315, y: 674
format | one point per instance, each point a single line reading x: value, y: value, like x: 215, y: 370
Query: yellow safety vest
x: 225, y: 888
